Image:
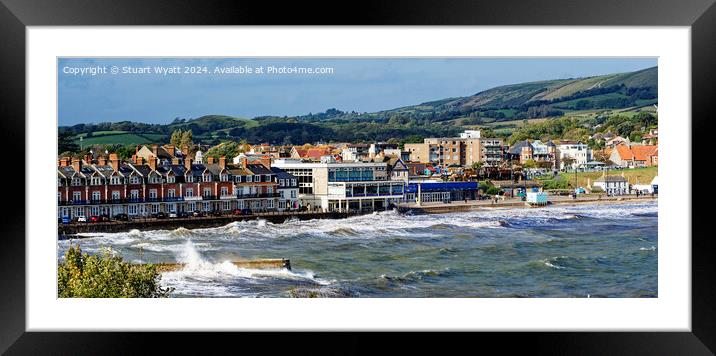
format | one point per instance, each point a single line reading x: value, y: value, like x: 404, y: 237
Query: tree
x: 66, y: 143
x: 530, y: 163
x: 187, y: 138
x: 106, y: 276
x: 568, y: 161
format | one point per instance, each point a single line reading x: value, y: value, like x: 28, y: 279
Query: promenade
x: 456, y: 206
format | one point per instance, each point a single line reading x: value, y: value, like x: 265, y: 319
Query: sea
x: 580, y: 251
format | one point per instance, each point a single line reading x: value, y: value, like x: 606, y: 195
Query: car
x: 65, y: 220
x: 182, y: 214
x: 172, y: 215
x: 198, y: 213
x: 95, y: 218
x: 121, y: 217
x: 81, y: 219
x: 159, y: 215
x: 215, y: 213
x: 245, y: 211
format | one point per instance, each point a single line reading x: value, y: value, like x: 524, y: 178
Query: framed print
x: 501, y: 175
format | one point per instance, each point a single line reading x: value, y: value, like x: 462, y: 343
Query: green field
x: 634, y: 176
x: 114, y: 137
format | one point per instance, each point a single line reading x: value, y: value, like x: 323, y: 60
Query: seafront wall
x: 65, y: 231
x: 442, y: 208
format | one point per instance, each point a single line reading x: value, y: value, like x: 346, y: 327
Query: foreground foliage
x: 106, y: 276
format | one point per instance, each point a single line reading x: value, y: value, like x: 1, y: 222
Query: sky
x: 158, y: 90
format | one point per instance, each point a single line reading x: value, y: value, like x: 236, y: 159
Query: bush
x: 492, y: 190
x: 555, y: 184
x: 106, y: 276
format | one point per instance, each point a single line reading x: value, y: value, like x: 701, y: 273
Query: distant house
x: 613, y: 185
x: 635, y: 155
x: 313, y: 154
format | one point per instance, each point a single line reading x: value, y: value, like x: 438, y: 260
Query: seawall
x: 65, y: 231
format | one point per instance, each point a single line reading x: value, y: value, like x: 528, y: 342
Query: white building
x: 613, y: 185
x: 342, y: 186
x: 580, y: 152
x: 470, y: 134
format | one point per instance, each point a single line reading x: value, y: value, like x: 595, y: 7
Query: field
x: 118, y: 137
x: 634, y: 176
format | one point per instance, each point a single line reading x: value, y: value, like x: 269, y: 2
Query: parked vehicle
x: 81, y: 219
x: 65, y: 220
x: 242, y: 212
x: 182, y: 214
x: 159, y: 215
x: 172, y: 215
x: 121, y: 217
x: 95, y: 218
x: 198, y: 213
x: 215, y: 213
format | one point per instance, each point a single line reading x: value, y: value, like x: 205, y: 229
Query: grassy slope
x: 634, y: 176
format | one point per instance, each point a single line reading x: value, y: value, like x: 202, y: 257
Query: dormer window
x: 155, y: 179
x: 170, y: 179
x: 76, y: 181
x: 207, y: 177
x: 248, y: 179
x: 96, y: 181
x: 224, y: 177
x: 134, y: 180
x: 190, y: 179
x: 115, y: 180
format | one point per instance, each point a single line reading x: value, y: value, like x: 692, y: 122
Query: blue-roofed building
x: 441, y: 191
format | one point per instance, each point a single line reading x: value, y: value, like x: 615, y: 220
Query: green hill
x: 572, y: 97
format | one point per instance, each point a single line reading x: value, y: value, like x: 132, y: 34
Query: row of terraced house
x: 143, y: 186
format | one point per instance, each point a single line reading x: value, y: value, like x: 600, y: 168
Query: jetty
x: 272, y: 263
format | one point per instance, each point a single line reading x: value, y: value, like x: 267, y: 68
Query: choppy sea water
x: 562, y: 251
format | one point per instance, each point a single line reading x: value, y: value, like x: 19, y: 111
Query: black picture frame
x: 16, y: 15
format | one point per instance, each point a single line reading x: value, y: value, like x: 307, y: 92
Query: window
x: 171, y: 193
x: 115, y: 194
x: 293, y: 182
x: 134, y: 194
x: 189, y: 193
x: 269, y: 190
x: 115, y: 180
x: 280, y: 193
x: 269, y: 204
x: 227, y: 205
x: 224, y: 177
x: 224, y: 191
x: 207, y: 192
x: 293, y: 194
x: 281, y: 182
x: 248, y: 179
x: 189, y: 178
x: 134, y: 180
x: 155, y: 179
x: 76, y: 196
x: 207, y: 177
x: 171, y: 179
x: 155, y: 208
x: 76, y: 181
x: 96, y: 181
x: 257, y: 178
x: 152, y: 193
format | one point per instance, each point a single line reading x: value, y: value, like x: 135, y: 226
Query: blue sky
x: 356, y: 84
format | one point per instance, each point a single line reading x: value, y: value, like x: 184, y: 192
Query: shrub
x: 106, y: 276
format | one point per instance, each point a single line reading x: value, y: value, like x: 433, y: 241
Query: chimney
x: 155, y: 149
x: 114, y: 161
x: 187, y: 163
x: 175, y: 161
x: 102, y: 161
x: 266, y: 161
x: 136, y: 149
x: 210, y: 160
x: 64, y: 161
x: 222, y: 162
x: 77, y: 164
x: 244, y: 161
x: 88, y: 158
x: 139, y: 160
x: 153, y: 163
